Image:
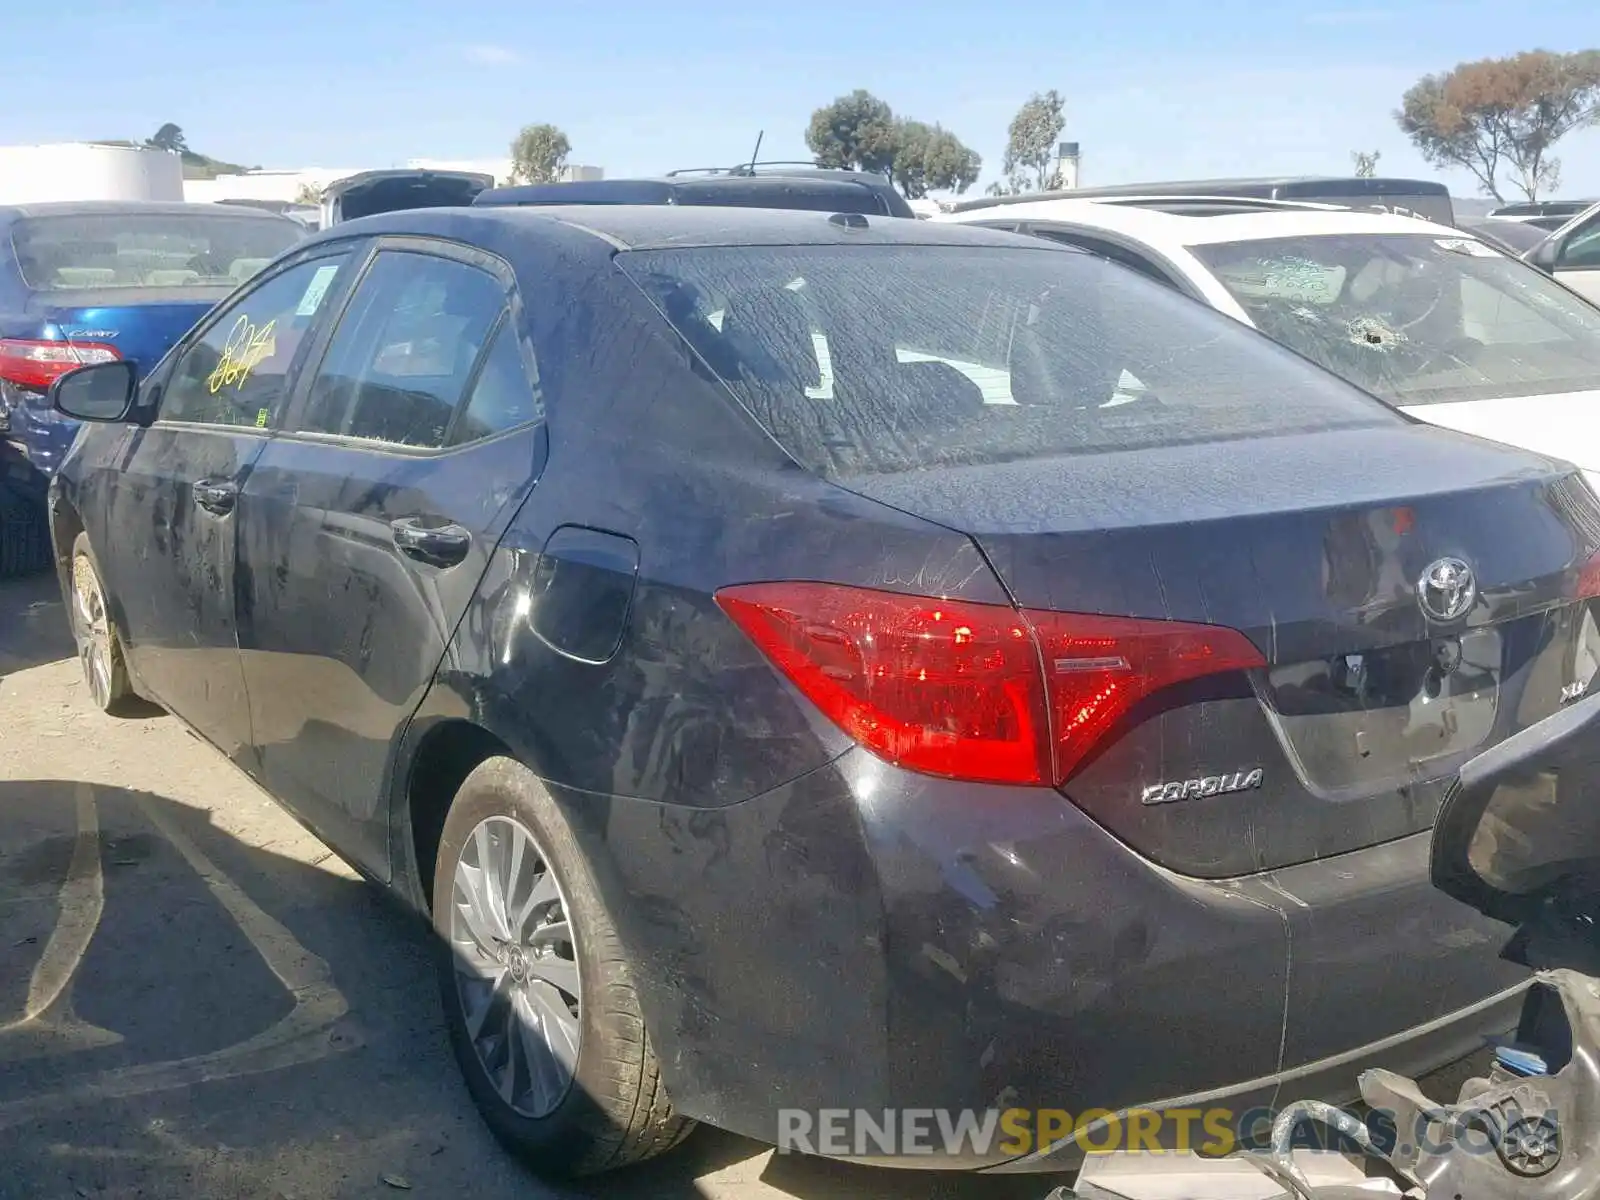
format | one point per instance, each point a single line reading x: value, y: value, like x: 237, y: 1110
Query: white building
x: 1068, y: 159
x: 288, y: 185
x: 88, y: 171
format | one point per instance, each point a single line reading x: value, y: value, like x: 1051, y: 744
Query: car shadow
x: 183, y: 1013
x: 33, y: 623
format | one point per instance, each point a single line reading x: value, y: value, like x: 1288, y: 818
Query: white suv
x: 1427, y: 317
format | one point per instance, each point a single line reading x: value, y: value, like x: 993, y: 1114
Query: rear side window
x: 940, y: 355
x: 91, y: 252
x: 400, y: 362
x: 503, y: 396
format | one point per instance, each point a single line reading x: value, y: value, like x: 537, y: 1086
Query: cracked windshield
x: 862, y: 605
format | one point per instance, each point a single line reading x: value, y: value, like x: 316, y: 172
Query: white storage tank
x: 86, y: 171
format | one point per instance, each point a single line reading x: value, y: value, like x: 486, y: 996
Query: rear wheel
x: 105, y: 671
x: 538, y: 995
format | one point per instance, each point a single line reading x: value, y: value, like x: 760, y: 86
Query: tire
x: 24, y: 535
x: 614, y: 1111
x: 100, y: 654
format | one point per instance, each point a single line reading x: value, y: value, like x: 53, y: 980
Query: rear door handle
x: 436, y: 545
x: 216, y: 496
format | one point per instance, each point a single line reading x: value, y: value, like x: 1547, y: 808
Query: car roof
x: 1162, y: 228
x: 669, y: 189
x: 115, y: 208
x: 656, y: 227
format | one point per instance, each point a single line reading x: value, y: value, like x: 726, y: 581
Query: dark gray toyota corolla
x: 809, y: 662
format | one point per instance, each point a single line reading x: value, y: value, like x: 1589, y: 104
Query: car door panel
x: 173, y: 503
x: 360, y: 554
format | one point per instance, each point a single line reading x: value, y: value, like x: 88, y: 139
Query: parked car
x: 1572, y: 254
x: 88, y: 282
x: 1430, y: 319
x: 1542, y: 214
x: 1420, y: 197
x: 791, y: 675
x: 372, y: 192
x: 763, y: 185
x: 1511, y: 237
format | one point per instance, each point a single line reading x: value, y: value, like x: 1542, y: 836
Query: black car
x: 796, y: 668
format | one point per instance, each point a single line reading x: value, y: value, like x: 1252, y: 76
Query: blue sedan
x: 92, y: 282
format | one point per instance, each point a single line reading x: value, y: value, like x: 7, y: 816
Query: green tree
x: 929, y: 158
x: 538, y: 154
x: 856, y: 132
x: 1366, y: 162
x: 1031, y: 142
x: 169, y: 137
x: 1504, y: 113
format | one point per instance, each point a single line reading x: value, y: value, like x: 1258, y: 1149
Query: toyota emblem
x: 1447, y: 591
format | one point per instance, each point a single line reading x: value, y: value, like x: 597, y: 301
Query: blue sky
x: 1155, y: 88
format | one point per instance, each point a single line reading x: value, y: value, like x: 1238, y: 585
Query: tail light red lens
x: 32, y: 363
x: 980, y: 692
x: 1586, y: 580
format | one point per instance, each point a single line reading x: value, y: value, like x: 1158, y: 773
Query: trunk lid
x: 142, y: 329
x: 1315, y: 547
x: 374, y: 192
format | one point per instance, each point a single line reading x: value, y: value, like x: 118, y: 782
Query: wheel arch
x: 444, y: 752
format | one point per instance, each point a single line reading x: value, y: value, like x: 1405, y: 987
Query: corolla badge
x: 1447, y: 590
x: 1171, y: 791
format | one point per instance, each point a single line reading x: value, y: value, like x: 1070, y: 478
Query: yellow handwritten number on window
x: 247, y: 347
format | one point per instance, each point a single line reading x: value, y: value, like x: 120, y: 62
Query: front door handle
x: 216, y: 496
x: 436, y: 545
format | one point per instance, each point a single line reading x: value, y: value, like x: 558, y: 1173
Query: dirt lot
x: 197, y: 999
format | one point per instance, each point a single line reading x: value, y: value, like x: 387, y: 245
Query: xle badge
x: 1206, y: 785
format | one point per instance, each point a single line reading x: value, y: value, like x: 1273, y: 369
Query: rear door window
x: 949, y: 355
x: 406, y: 351
x: 238, y: 372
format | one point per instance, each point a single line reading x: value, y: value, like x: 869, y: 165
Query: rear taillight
x: 33, y: 363
x: 1585, y: 580
x: 980, y: 692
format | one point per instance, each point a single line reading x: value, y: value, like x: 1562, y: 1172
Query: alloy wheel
x: 516, y: 966
x: 91, y: 627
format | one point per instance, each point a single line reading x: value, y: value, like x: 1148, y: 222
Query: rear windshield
x: 147, y: 250
x: 866, y: 359
x: 1415, y: 319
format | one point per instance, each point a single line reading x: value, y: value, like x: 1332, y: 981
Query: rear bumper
x: 866, y: 939
x: 1245, y: 1109
x: 19, y: 478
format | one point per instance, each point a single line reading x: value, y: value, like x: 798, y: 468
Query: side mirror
x: 1545, y: 255
x: 101, y: 391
